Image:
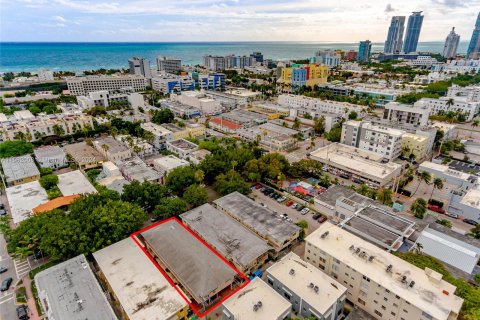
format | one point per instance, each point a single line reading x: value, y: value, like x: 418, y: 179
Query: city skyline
x: 232, y: 20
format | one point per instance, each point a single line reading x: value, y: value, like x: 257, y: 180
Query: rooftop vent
x: 412, y: 283
x: 315, y: 289
x: 324, y: 235
x: 371, y: 258
x: 311, y: 285
x: 352, y: 247
x: 389, y: 268
x: 292, y: 272
x: 404, y: 279
x: 357, y: 250
x: 257, y: 305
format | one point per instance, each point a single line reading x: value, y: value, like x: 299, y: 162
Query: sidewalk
x: 30, y: 301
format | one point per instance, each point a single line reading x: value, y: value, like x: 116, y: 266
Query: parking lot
x: 281, y: 208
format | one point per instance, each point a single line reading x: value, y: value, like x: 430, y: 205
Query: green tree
x: 384, y: 195
x: 475, y: 232
x: 230, y: 182
x: 303, y: 226
x: 363, y: 189
x: 306, y: 168
x: 169, y: 207
x: 180, y: 178
x: 162, y: 116
x: 423, y: 177
x: 195, y: 195
x: 444, y: 222
x: 334, y: 135
x: 49, y: 181
x: 353, y: 115
x: 437, y: 184
x: 419, y: 208
x: 296, y: 123
x: 15, y: 148
x: 147, y: 194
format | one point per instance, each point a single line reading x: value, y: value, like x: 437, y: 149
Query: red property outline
x: 197, y: 312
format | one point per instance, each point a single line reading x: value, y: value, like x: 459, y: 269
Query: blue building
x: 299, y: 77
x: 214, y: 81
x: 474, y: 46
x: 395, y: 35
x: 364, y: 49
x: 414, y: 26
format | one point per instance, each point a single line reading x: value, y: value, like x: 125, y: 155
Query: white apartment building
x: 214, y: 63
x: 104, y: 98
x: 168, y: 83
x: 442, y: 105
x: 471, y: 93
x: 311, y: 292
x: 165, y: 165
x: 198, y: 100
x: 161, y: 134
x: 169, y: 65
x: 382, y: 140
x: 80, y: 86
x: 112, y: 149
x: 378, y: 282
x: 140, y: 66
x: 316, y: 106
x: 136, y: 145
x: 406, y: 114
x: 458, y: 66
x: 423, y: 61
x: 45, y: 75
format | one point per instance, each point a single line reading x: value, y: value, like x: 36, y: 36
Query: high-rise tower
x: 414, y: 26
x: 474, y: 46
x: 451, y: 44
x: 395, y: 35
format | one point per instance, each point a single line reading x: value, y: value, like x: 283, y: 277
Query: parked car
x: 37, y: 254
x: 155, y: 219
x: 22, y: 312
x: 316, y: 216
x: 3, y: 269
x: 258, y: 186
x: 281, y: 199
x: 355, y: 180
x: 452, y: 215
x: 6, y: 284
x: 300, y: 208
x: 3, y: 212
x: 295, y: 205
x: 289, y: 203
x: 435, y: 208
x: 322, y: 219
x: 470, y: 221
x: 305, y: 211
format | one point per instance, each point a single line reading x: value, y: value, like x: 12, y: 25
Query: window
x: 270, y: 281
x: 386, y: 299
x: 378, y: 313
x: 286, y: 295
x: 361, y: 301
x: 405, y: 311
x: 366, y: 279
x: 426, y: 315
x: 392, y: 313
x: 384, y: 308
x: 336, y: 260
x: 334, y: 275
x: 375, y: 301
x: 335, y: 267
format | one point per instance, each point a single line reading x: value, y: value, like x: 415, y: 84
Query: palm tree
x: 418, y: 248
x: 437, y: 184
x: 419, y: 208
x: 475, y: 123
x: 22, y: 252
x: 385, y: 196
x: 450, y: 103
x: 363, y: 189
x: 199, y: 176
x: 425, y: 177
x: 58, y: 130
x: 105, y: 148
x: 405, y: 150
x: 296, y: 123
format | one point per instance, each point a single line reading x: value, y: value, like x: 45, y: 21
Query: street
x: 7, y: 298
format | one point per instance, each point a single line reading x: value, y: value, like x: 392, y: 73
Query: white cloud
x: 60, y: 18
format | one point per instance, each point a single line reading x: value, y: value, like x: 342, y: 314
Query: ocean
x: 16, y: 57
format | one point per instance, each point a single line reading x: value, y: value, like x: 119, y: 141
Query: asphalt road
x: 7, y: 299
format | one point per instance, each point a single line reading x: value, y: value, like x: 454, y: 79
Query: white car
x: 281, y: 199
x: 305, y: 211
x: 452, y: 215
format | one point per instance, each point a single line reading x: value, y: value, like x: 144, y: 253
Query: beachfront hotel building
x: 378, y: 282
x: 80, y: 86
x: 169, y: 65
x: 299, y: 75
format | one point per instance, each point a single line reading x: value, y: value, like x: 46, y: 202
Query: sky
x: 227, y: 20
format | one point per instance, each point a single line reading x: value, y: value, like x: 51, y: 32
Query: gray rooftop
x: 113, y: 145
x: 83, y: 153
x: 256, y: 217
x: 16, y: 168
x: 334, y: 193
x: 198, y: 269
x: 386, y: 219
x: 228, y: 236
x: 183, y: 144
x: 447, y: 231
x: 136, y: 169
x: 48, y: 152
x: 72, y: 292
x: 371, y: 232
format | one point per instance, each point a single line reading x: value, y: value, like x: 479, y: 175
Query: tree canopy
x: 163, y: 116
x: 15, y: 148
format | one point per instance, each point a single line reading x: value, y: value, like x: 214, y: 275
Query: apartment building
x: 169, y: 65
x: 378, y: 282
x: 317, y: 106
x: 471, y: 93
x: 165, y: 165
x: 198, y: 100
x: 444, y: 105
x: 80, y: 86
x: 45, y: 75
x: 112, y: 149
x: 190, y: 130
x: 104, y: 98
x: 271, y: 140
x: 168, y: 83
x: 416, y: 145
x: 140, y: 66
x: 180, y: 110
x: 18, y: 170
x: 406, y: 114
x: 311, y: 292
x: 382, y: 140
x: 298, y: 75
x: 161, y: 135
x: 181, y: 147
x: 214, y: 63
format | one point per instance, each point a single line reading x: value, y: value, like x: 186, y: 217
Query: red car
x: 322, y: 219
x: 435, y: 208
x: 258, y: 186
x: 289, y: 203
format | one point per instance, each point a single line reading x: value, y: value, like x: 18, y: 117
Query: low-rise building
x: 137, y: 146
x: 416, y: 145
x: 245, y: 118
x: 135, y: 169
x: 69, y: 290
x: 85, y: 156
x: 465, y: 203
x: 132, y: 280
x: 256, y: 301
x: 443, y: 105
x: 18, y: 170
x: 447, y: 174
x: 406, y: 114
x: 453, y: 248
x: 316, y: 107
x: 74, y: 182
x: 311, y: 292
x: 182, y: 148
x: 279, y: 234
x: 447, y: 128
x: 230, y: 238
x: 365, y: 165
x: 112, y: 149
x: 198, y: 156
x: 168, y: 83
x: 50, y: 157
x: 224, y: 125
x: 269, y: 139
x: 23, y: 198
x: 196, y: 269
x: 161, y: 135
x: 378, y: 282
x: 198, y: 100
x: 190, y: 130
x: 165, y: 165
x: 181, y: 110
x: 471, y: 93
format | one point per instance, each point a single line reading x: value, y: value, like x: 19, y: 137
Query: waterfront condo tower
x: 414, y: 26
x: 364, y: 49
x: 395, y: 35
x: 474, y: 46
x: 451, y: 44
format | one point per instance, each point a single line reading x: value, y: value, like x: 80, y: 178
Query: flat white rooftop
x: 23, y: 198
x: 155, y: 128
x: 74, y: 182
x: 355, y: 160
x: 302, y: 277
x: 16, y: 168
x: 427, y: 293
x: 472, y: 198
x: 170, y: 162
x: 273, y: 305
x: 446, y: 170
x: 143, y: 291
